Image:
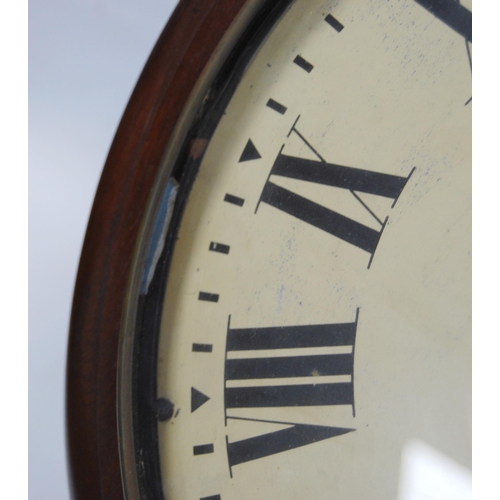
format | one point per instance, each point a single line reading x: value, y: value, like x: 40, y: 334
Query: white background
x: 84, y: 59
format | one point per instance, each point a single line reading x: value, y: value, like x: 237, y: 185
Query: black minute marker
x: 209, y: 297
x: 276, y: 106
x: 202, y: 347
x: 234, y: 200
x: 334, y: 23
x: 302, y: 63
x: 219, y: 247
x: 203, y: 449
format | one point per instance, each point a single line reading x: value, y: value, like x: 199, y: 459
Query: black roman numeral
x: 279, y: 365
x: 290, y: 337
x: 329, y: 174
x: 452, y: 13
x: 276, y: 442
x: 290, y: 395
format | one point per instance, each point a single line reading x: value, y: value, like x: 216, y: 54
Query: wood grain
x: 175, y: 65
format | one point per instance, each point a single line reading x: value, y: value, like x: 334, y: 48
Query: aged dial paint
x: 317, y: 311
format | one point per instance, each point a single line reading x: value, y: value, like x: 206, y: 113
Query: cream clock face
x: 316, y: 318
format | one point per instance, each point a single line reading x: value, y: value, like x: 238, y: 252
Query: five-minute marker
x: 197, y: 399
x: 249, y: 153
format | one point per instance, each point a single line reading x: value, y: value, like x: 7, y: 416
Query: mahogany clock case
x: 131, y: 172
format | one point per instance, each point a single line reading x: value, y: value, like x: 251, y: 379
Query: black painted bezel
x: 148, y: 307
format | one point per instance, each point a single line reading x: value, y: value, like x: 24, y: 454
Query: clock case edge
x: 178, y: 60
x: 141, y: 324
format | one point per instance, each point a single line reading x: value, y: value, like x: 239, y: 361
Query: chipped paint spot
x: 280, y: 297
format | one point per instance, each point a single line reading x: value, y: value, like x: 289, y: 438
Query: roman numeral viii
x: 275, y: 339
x: 353, y: 179
x: 276, y: 364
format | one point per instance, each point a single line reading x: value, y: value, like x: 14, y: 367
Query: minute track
x: 304, y: 398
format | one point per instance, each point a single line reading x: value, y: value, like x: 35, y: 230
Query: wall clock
x: 273, y: 297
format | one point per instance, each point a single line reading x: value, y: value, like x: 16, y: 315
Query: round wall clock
x: 274, y: 295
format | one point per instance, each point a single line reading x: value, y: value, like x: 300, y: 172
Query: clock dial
x: 316, y: 316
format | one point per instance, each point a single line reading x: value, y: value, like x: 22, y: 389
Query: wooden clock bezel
x: 198, y: 31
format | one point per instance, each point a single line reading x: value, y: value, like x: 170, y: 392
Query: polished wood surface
x: 179, y: 57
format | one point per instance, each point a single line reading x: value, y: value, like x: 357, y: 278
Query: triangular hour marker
x: 249, y: 153
x: 197, y: 399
